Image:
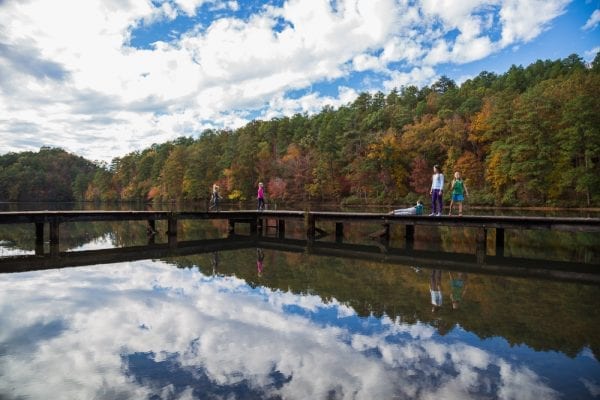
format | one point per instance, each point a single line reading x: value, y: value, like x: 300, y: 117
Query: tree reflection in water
x: 308, y: 327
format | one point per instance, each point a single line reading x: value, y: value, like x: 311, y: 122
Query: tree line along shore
x: 526, y: 137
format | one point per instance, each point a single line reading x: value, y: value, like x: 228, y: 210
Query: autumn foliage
x: 530, y: 136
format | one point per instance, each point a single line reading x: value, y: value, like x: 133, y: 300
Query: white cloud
x: 417, y: 76
x: 189, y: 6
x: 93, y: 319
x: 593, y: 21
x: 77, y: 83
x: 591, y: 54
x: 524, y: 20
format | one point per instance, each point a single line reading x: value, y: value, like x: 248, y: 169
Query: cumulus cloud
x: 59, y: 74
x: 524, y: 20
x: 593, y: 21
x: 101, y: 320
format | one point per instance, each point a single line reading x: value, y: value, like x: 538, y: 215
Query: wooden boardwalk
x: 257, y: 220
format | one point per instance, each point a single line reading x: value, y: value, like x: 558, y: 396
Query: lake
x: 261, y: 323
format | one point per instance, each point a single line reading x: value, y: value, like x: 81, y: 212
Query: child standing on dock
x: 436, y: 192
x: 261, y: 196
x: 459, y: 191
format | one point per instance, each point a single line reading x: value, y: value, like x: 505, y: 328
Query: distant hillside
x: 51, y: 174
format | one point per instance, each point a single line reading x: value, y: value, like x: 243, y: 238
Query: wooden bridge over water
x: 258, y: 222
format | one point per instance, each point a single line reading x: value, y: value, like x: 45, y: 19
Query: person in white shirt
x: 437, y: 189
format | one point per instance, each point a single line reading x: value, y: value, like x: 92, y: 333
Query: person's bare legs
x: 451, y: 203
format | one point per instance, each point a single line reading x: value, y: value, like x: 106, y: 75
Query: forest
x: 527, y: 137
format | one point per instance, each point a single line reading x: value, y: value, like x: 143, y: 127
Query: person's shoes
x: 439, y: 214
x: 432, y: 215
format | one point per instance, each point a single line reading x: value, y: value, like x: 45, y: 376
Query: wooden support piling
x: 39, y: 233
x: 172, y: 230
x: 39, y: 238
x: 385, y: 238
x: 54, y: 238
x: 281, y: 228
x: 260, y: 226
x: 481, y: 244
x: 151, y: 229
x: 409, y: 237
x: 339, y: 232
x: 500, y: 242
x: 309, y: 222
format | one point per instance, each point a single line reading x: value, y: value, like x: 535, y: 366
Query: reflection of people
x: 261, y: 196
x: 458, y: 287
x: 435, y: 288
x: 215, y: 262
x: 417, y: 209
x: 260, y: 256
x: 459, y: 191
x: 436, y: 192
x: 214, y: 198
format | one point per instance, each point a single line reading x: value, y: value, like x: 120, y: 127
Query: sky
x: 103, y: 78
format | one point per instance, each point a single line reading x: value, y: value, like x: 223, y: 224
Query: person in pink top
x: 261, y: 196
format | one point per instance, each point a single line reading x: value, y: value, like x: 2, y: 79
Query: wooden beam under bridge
x: 505, y: 266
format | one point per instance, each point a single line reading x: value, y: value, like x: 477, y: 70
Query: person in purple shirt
x: 437, y: 188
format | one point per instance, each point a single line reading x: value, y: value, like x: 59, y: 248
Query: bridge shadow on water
x: 379, y: 251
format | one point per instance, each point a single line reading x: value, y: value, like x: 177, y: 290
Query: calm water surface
x: 266, y: 324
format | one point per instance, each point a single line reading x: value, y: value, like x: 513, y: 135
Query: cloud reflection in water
x: 149, y: 330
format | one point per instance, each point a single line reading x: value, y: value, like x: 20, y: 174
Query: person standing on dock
x: 214, y: 199
x: 437, y: 188
x: 261, y: 196
x: 459, y: 191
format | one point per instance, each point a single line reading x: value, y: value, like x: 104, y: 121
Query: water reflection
x: 260, y: 256
x: 149, y: 330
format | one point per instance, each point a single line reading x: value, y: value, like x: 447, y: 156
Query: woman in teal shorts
x: 459, y: 191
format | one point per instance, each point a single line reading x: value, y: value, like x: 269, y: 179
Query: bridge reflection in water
x: 378, y: 252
